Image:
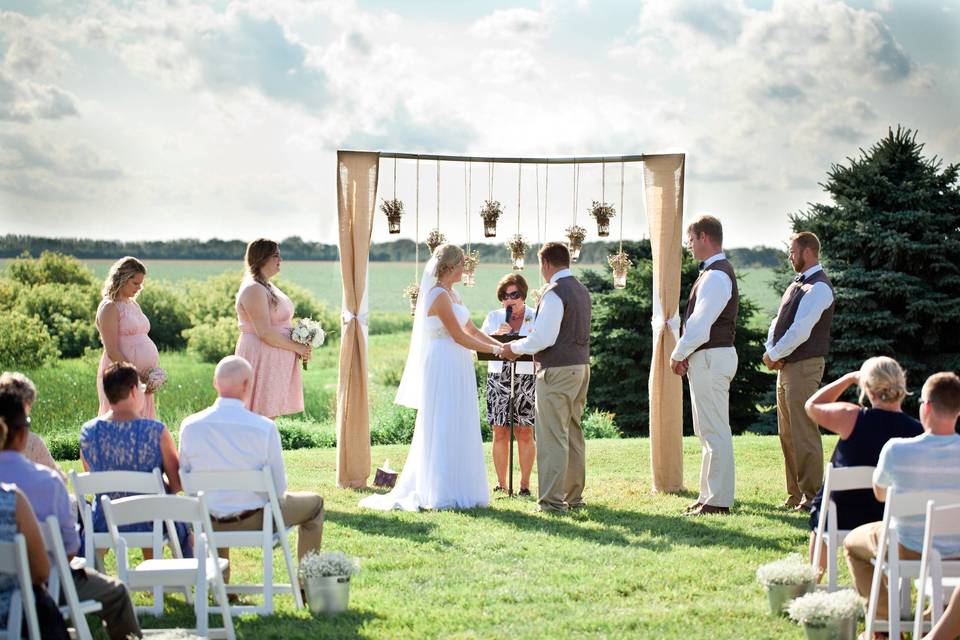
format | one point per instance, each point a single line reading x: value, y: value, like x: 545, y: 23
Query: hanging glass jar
x: 470, y: 261
x: 411, y: 293
x: 602, y: 212
x: 490, y: 212
x: 393, y: 209
x: 518, y: 251
x: 575, y: 236
x: 435, y: 239
x: 620, y: 263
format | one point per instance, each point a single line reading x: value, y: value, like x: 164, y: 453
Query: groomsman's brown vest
x: 724, y: 329
x: 818, y: 344
x: 573, y: 340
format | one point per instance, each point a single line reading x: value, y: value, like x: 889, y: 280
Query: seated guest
x: 48, y: 497
x: 925, y: 463
x: 123, y: 440
x: 230, y: 437
x: 36, y: 451
x: 948, y: 626
x: 863, y: 432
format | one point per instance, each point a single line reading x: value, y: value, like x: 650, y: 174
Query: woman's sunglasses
x: 516, y: 295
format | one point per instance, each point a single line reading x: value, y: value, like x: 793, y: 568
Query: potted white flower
x: 575, y: 237
x: 435, y: 239
x: 786, y: 579
x: 518, y: 250
x: 326, y: 579
x: 411, y: 292
x: 620, y: 263
x: 828, y: 616
x: 470, y: 261
x: 393, y: 209
x: 490, y: 212
x: 602, y: 212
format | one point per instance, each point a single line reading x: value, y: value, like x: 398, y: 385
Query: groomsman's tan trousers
x: 799, y: 435
x: 709, y: 375
x: 561, y: 451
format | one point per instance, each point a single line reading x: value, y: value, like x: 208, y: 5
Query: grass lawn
x: 627, y: 566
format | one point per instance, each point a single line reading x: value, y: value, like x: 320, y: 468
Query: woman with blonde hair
x: 444, y: 468
x: 265, y: 317
x: 863, y: 432
x: 124, y: 328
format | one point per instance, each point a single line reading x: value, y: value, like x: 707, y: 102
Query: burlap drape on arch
x: 663, y: 181
x: 356, y: 203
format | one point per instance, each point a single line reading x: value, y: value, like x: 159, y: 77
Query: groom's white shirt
x: 547, y: 325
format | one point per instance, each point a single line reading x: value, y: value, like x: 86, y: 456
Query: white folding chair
x: 941, y: 521
x: 900, y: 573
x: 13, y: 561
x: 61, y: 579
x: 204, y: 569
x: 836, y: 479
x: 274, y: 532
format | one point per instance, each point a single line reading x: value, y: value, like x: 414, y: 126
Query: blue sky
x: 185, y: 119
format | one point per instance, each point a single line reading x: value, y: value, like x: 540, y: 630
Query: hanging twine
x: 490, y: 181
x: 467, y: 194
x: 519, y: 176
x: 438, y: 195
x: 621, y: 205
x: 416, y: 229
x: 576, y: 186
x: 394, y: 178
x: 603, y: 182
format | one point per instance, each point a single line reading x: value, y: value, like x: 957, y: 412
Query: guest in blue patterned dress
x: 123, y: 440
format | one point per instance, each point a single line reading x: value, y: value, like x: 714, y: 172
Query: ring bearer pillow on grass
x: 444, y: 467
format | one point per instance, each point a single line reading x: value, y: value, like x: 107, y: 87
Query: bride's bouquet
x: 154, y: 378
x: 307, y: 331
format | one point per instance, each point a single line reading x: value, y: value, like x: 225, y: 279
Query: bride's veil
x: 411, y: 384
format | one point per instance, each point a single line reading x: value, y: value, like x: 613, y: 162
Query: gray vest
x: 573, y: 340
x: 818, y: 344
x: 723, y: 331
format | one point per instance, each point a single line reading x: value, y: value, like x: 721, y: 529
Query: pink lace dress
x: 138, y: 349
x: 277, y: 385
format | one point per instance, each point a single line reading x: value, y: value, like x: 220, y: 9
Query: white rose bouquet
x: 307, y: 331
x: 154, y: 378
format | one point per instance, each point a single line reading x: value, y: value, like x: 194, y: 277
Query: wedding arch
x: 357, y: 179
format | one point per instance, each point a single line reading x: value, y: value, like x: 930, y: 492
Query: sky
x: 171, y: 119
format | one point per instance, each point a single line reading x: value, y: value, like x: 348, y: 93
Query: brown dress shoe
x: 708, y: 509
x: 693, y: 506
x: 789, y: 504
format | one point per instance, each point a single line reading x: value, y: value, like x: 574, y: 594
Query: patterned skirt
x: 498, y: 398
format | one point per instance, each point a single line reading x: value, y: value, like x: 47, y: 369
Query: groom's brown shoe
x: 693, y: 506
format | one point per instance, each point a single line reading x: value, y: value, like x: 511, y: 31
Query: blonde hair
x: 16, y: 383
x: 258, y: 252
x: 449, y: 257
x: 120, y: 272
x: 884, y: 379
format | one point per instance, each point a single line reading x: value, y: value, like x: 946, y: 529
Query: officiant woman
x: 512, y: 294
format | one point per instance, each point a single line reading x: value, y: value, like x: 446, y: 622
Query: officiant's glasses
x: 512, y: 295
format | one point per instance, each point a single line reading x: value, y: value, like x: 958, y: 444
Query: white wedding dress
x: 445, y: 467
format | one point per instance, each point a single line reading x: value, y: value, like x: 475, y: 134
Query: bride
x: 445, y: 467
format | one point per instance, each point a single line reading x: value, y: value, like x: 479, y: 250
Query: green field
x: 388, y: 279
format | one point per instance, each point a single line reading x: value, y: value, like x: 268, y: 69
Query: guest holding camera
x: 514, y: 318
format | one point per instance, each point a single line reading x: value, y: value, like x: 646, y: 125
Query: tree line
x: 296, y: 248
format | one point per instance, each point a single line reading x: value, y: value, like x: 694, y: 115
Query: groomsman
x: 797, y: 342
x: 705, y: 353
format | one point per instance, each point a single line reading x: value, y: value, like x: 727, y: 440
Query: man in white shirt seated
x: 229, y: 437
x: 927, y: 462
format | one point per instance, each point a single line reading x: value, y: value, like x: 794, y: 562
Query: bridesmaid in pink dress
x: 265, y: 316
x: 123, y: 327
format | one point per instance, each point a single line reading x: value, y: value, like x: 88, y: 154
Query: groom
x: 561, y: 341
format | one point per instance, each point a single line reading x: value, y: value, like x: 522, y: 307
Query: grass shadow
x: 387, y: 524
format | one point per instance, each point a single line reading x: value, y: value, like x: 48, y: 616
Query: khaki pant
x: 117, y: 612
x: 860, y: 546
x: 301, y: 508
x: 561, y: 451
x: 799, y: 435
x: 709, y: 375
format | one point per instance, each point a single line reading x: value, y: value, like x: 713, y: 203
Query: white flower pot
x: 329, y: 594
x: 780, y: 595
x: 839, y: 629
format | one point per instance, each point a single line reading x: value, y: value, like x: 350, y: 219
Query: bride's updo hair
x: 883, y: 379
x: 449, y: 257
x: 120, y: 272
x: 258, y: 252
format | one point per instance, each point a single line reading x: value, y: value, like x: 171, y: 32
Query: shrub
x: 165, y: 307
x: 389, y: 373
x: 296, y: 437
x: 599, y: 424
x: 394, y: 322
x: 68, y: 310
x: 51, y: 268
x: 9, y: 293
x: 394, y: 425
x: 306, y: 305
x: 25, y: 342
x: 64, y: 446
x: 212, y: 342
x: 214, y: 298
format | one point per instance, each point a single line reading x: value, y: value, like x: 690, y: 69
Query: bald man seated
x: 230, y: 437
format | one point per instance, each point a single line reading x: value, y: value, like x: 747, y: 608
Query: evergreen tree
x: 622, y: 342
x: 891, y: 245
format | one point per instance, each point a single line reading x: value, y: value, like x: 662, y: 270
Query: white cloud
x: 517, y: 25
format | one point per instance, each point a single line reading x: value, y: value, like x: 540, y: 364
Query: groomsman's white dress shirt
x: 229, y: 437
x: 712, y: 296
x: 812, y: 305
x: 493, y: 321
x: 546, y: 327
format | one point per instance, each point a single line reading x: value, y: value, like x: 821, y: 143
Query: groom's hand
x: 507, y: 353
x: 679, y: 367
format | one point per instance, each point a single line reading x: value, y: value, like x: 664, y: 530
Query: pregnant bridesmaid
x: 123, y: 327
x: 265, y: 316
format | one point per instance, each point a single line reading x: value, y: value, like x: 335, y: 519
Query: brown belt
x: 237, y: 517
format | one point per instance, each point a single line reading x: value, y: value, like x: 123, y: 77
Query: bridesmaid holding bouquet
x: 265, y: 316
x: 123, y: 329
